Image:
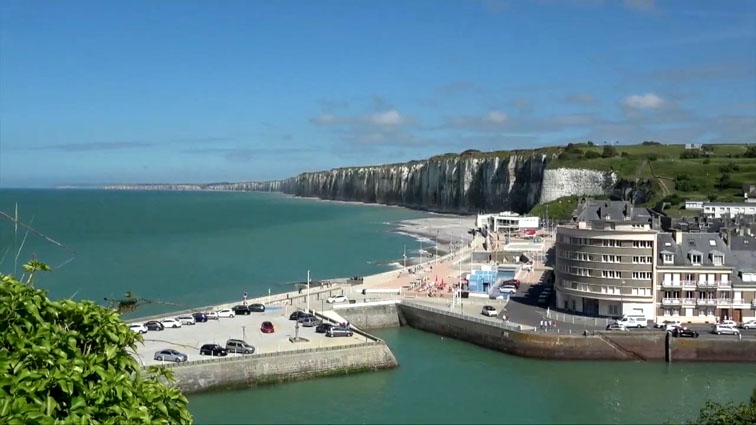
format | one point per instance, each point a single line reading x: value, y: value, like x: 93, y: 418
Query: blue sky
x: 200, y: 91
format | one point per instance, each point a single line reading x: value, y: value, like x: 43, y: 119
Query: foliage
x: 650, y: 143
x: 750, y: 152
x: 714, y: 413
x: 690, y: 155
x: 592, y: 155
x: 608, y: 151
x: 69, y: 362
x: 653, y: 157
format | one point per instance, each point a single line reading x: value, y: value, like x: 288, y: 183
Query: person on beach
x: 244, y: 299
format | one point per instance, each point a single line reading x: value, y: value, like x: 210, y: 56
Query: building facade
x: 507, y: 221
x: 605, y: 261
x: 725, y: 209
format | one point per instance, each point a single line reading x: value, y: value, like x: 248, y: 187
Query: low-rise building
x: 749, y: 193
x: 694, y: 205
x: 507, y: 221
x: 728, y: 209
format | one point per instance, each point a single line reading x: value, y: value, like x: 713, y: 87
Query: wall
x: 561, y: 182
x: 383, y: 315
x: 248, y: 371
x: 714, y: 350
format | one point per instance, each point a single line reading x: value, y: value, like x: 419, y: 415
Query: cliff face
x: 463, y: 184
x: 270, y: 186
x: 575, y: 181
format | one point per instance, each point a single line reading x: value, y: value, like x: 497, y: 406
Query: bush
x: 650, y: 143
x: 724, y: 181
x: 608, y: 151
x: 590, y: 143
x: 706, y: 161
x: 592, y: 155
x: 624, y: 154
x: 690, y: 155
x: 729, y: 167
x: 712, y: 197
x: 653, y: 157
x: 750, y: 152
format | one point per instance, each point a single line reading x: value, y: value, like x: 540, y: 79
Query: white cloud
x: 497, y: 117
x: 386, y: 118
x: 643, y: 101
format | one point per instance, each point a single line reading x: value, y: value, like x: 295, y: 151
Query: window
x: 641, y: 244
x: 695, y: 259
x: 642, y: 275
x: 610, y: 243
x: 668, y: 258
x: 610, y: 258
x: 718, y: 260
x: 580, y: 271
x: 614, y: 309
x: 641, y: 259
x: 610, y: 274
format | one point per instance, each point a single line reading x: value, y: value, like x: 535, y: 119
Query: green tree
x: 69, y: 362
x: 727, y: 414
x: 608, y: 151
x: 750, y: 152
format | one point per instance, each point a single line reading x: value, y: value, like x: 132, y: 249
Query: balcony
x: 671, y: 284
x: 671, y: 301
x: 706, y: 284
x: 724, y: 285
x: 688, y: 284
x: 689, y: 301
x: 706, y: 301
x: 724, y: 302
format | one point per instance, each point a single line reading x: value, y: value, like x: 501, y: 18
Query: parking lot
x: 189, y: 338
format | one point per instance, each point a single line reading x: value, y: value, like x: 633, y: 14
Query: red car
x: 267, y: 328
x: 513, y: 282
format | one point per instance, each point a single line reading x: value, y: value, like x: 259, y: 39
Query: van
x: 633, y: 321
x: 640, y: 319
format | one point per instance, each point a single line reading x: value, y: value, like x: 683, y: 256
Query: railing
x: 704, y: 284
x: 688, y: 283
x: 724, y: 301
x: 679, y: 284
x: 706, y: 301
x: 689, y: 301
x: 671, y: 301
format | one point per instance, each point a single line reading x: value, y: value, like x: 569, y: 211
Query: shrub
x: 592, y: 155
x: 750, y: 152
x: 650, y: 143
x: 706, y: 161
x: 690, y: 155
x: 653, y: 157
x: 608, y: 151
x: 712, y: 197
x: 624, y: 154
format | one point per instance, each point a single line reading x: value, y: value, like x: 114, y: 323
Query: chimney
x: 679, y: 237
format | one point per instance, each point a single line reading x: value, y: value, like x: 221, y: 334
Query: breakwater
x: 252, y: 370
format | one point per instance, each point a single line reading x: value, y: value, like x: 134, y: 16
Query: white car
x: 728, y: 323
x: 508, y: 289
x: 726, y: 330
x: 337, y: 299
x: 171, y: 323
x: 138, y: 328
x: 749, y: 324
x: 489, y: 311
x: 187, y: 320
x: 226, y: 313
x: 212, y: 315
x: 670, y: 325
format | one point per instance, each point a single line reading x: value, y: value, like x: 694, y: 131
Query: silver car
x: 170, y: 355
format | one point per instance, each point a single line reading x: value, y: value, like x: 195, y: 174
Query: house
x: 694, y: 205
x: 749, y: 193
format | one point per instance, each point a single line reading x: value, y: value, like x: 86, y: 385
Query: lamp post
x: 435, y: 260
x: 308, y: 291
x: 244, y: 333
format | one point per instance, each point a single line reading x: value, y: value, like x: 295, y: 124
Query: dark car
x: 339, y: 331
x: 199, y: 317
x: 267, y: 328
x: 309, y: 321
x: 257, y: 308
x: 240, y: 309
x: 681, y: 332
x: 323, y: 327
x: 239, y: 346
x: 213, y: 350
x: 299, y: 314
x: 154, y: 325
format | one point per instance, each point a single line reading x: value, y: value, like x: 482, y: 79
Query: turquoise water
x: 197, y: 248
x: 441, y: 380
x: 194, y: 248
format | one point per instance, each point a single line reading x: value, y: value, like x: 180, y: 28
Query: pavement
x: 189, y: 338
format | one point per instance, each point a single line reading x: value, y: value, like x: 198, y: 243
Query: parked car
x: 170, y: 323
x: 488, y: 311
x: 683, y: 332
x: 725, y: 330
x: 213, y: 350
x: 298, y: 315
x: 671, y: 325
x: 336, y: 331
x: 508, y: 289
x: 228, y: 313
x: 749, y: 324
x: 170, y: 355
x: 323, y: 327
x: 337, y: 299
x: 138, y: 328
x: 154, y: 325
x: 199, y: 317
x: 616, y: 327
x: 257, y: 308
x: 211, y: 315
x: 309, y: 321
x: 239, y: 346
x: 240, y: 310
x: 267, y: 328
x: 187, y: 320
x: 512, y: 282
x: 729, y: 323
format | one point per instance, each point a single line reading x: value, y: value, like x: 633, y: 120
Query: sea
x: 190, y: 249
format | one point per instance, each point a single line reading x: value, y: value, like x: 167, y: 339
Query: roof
x: 593, y: 210
x: 704, y: 244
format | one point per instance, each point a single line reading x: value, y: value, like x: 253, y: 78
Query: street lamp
x: 244, y: 333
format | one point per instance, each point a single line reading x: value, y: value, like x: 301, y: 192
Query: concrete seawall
x: 602, y: 346
x: 249, y: 371
x: 383, y: 314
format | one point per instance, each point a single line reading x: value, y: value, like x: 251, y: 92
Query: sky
x: 205, y: 91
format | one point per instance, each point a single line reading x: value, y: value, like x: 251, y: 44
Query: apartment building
x: 605, y: 260
x: 701, y: 280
